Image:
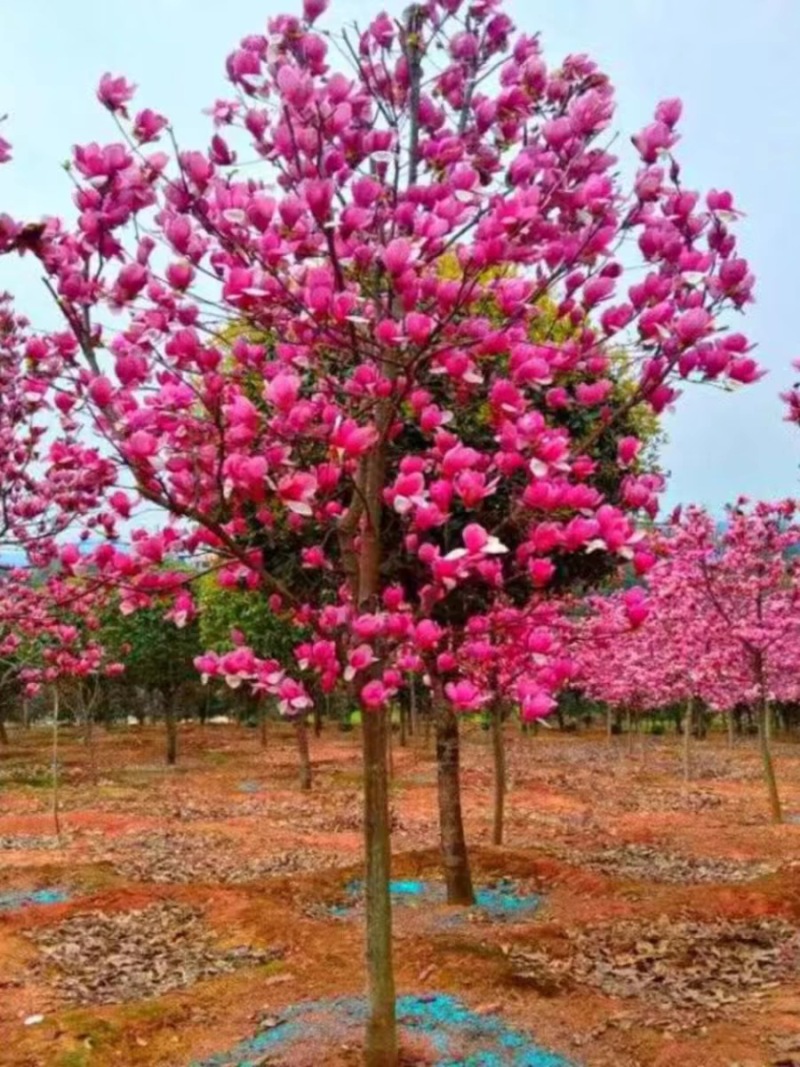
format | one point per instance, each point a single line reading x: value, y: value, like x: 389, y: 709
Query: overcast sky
x: 735, y: 63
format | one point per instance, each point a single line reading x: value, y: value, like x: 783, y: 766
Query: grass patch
x: 76, y: 1058
x: 94, y: 1032
x: 153, y: 1011
x: 217, y: 759
x: 272, y: 967
x: 96, y: 878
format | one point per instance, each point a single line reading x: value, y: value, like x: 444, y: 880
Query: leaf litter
x: 654, y: 865
x: 103, y: 958
x: 685, y: 972
x: 179, y: 858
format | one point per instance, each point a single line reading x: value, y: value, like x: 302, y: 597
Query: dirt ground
x: 201, y: 900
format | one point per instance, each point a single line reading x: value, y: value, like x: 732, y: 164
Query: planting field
x: 211, y: 914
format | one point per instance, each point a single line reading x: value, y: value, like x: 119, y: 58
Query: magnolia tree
x: 240, y: 623
x: 425, y: 184
x: 748, y: 577
x: 49, y: 637
x: 720, y: 621
x: 47, y: 485
x: 639, y: 651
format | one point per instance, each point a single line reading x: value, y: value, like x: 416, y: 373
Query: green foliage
x: 269, y: 635
x: 157, y: 654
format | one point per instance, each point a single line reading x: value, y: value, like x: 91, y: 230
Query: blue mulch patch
x: 250, y: 787
x: 454, y: 1035
x: 26, y: 899
x: 501, y: 902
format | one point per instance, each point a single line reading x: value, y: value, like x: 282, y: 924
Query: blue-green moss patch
x: 451, y: 1033
x: 32, y: 898
x: 502, y: 901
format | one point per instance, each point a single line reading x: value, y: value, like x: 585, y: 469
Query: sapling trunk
x: 731, y: 726
x: 776, y: 811
x: 499, y: 754
x: 390, y: 743
x: 56, y: 812
x: 412, y: 697
x: 381, y: 1040
x: 171, y: 725
x: 262, y: 724
x: 455, y: 858
x: 3, y: 731
x: 88, y: 736
x: 303, y: 754
x: 403, y: 723
x: 688, y: 718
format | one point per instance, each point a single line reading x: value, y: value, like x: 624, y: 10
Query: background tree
x: 230, y: 617
x: 159, y: 658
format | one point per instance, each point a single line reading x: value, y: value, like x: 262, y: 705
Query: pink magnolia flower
x: 375, y: 695
x: 398, y: 254
x: 358, y: 660
x: 464, y: 695
x: 115, y: 92
x: 297, y: 492
x: 292, y: 698
x: 627, y: 450
x: 141, y: 445
x: 283, y: 391
x: 148, y: 125
x: 352, y: 439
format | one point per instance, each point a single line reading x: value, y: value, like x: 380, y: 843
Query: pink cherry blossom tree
x: 748, y: 576
x: 407, y: 459
x: 49, y: 634
x: 720, y: 621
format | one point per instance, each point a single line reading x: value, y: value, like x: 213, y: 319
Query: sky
x: 733, y: 62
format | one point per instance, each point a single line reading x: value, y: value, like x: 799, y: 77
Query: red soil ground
x: 570, y: 797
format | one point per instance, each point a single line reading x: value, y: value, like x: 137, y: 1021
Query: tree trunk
x: 688, y: 717
x: 56, y: 812
x: 730, y: 722
x: 629, y: 730
x: 776, y: 811
x: 26, y: 714
x: 413, y: 726
x: 317, y: 719
x: 609, y: 724
x: 499, y: 752
x: 381, y: 1043
x: 403, y: 725
x: 88, y: 737
x: 301, y: 733
x: 172, y: 728
x: 3, y: 731
x: 202, y: 707
x: 455, y: 857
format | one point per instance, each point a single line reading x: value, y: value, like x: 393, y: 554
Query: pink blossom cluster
x: 337, y: 365
x: 722, y: 618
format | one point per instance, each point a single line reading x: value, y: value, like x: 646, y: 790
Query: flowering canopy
x: 332, y: 360
x: 722, y: 617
